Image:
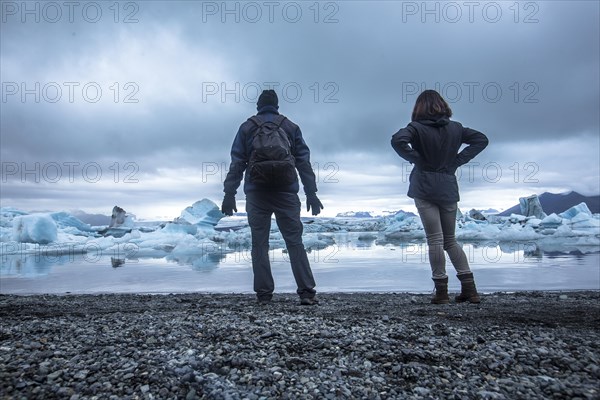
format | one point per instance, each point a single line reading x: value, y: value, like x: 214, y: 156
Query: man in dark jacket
x: 262, y: 201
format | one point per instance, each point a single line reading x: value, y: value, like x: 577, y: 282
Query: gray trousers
x: 439, y: 222
x: 286, y: 207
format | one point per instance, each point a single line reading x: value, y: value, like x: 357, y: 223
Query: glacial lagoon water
x: 351, y: 265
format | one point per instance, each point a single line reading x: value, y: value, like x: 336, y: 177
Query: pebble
x: 361, y: 345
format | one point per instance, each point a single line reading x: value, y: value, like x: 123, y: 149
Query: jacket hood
x: 439, y: 121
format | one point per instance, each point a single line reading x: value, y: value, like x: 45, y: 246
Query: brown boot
x: 441, y: 291
x: 468, y: 290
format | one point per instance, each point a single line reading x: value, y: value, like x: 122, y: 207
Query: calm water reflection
x: 357, y: 262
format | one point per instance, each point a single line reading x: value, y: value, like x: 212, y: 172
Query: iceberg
x: 7, y: 215
x: 187, y: 229
x: 476, y: 215
x: 319, y: 242
x: 66, y: 221
x: 531, y: 206
x: 581, y: 221
x: 197, y: 235
x: 121, y: 223
x: 120, y: 219
x: 580, y: 208
x: 584, y: 221
x: 403, y: 225
x: 551, y: 221
x: 197, y: 219
x: 202, y: 213
x: 517, y: 219
x: 549, y: 224
x: 475, y: 230
x: 34, y: 228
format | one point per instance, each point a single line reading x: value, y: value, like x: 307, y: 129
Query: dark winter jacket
x: 242, y: 147
x: 433, y: 147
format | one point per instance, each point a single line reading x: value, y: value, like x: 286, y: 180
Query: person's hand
x: 312, y: 201
x: 228, y: 206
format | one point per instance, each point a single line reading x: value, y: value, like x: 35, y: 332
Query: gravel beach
x: 371, y: 346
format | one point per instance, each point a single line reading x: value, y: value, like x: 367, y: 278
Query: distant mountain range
x: 92, y: 219
x: 557, y: 203
x: 354, y: 214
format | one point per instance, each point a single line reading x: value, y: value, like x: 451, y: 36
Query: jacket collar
x: 268, y: 109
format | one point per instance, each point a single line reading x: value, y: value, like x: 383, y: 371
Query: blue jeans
x: 439, y: 222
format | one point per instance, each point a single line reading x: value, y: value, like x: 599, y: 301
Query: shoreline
x: 451, y: 293
x: 534, y: 344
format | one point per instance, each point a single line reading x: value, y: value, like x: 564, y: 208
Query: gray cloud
x: 349, y: 84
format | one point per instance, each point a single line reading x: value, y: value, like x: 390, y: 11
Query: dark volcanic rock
x: 375, y: 346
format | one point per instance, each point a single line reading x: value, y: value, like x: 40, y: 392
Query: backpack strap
x: 256, y: 120
x: 279, y: 120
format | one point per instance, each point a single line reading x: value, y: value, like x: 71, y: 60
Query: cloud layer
x: 150, y: 94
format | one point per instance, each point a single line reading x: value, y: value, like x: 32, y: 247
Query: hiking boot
x: 309, y: 301
x: 468, y: 291
x: 263, y: 301
x: 441, y: 291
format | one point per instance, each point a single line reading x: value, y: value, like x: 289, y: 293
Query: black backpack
x: 271, y: 160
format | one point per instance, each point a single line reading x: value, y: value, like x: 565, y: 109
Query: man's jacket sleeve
x: 302, y: 157
x: 239, y: 162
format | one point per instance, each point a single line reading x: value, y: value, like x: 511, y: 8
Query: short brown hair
x: 430, y: 105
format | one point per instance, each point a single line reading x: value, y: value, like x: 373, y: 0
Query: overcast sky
x: 136, y: 104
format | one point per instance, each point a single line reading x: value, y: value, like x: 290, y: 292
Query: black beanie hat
x: 268, y: 98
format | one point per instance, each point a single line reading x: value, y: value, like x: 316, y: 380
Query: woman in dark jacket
x: 432, y: 142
